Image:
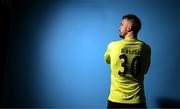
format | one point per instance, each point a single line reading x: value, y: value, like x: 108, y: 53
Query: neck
x: 130, y: 35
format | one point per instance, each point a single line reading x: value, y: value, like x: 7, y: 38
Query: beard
x: 121, y: 36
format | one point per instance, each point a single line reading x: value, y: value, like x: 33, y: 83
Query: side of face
x: 124, y: 28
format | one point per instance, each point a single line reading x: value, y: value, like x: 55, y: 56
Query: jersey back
x: 129, y: 60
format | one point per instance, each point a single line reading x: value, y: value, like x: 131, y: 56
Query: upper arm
x: 107, y: 57
x: 149, y: 54
x: 148, y: 58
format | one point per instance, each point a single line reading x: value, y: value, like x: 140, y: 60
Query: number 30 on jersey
x: 135, y: 66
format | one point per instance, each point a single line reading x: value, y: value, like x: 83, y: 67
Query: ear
x: 129, y: 28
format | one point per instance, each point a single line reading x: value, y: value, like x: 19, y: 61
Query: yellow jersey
x: 129, y: 60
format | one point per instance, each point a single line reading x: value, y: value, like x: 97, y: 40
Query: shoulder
x: 145, y: 44
x: 112, y: 43
x: 116, y: 43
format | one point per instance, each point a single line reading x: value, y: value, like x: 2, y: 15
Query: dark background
x: 52, y: 51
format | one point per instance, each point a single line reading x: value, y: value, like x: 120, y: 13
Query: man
x: 129, y: 60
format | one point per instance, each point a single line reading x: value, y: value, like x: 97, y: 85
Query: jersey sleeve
x: 148, y: 59
x: 107, y: 57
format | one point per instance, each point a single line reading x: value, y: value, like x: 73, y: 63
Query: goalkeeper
x: 129, y: 61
